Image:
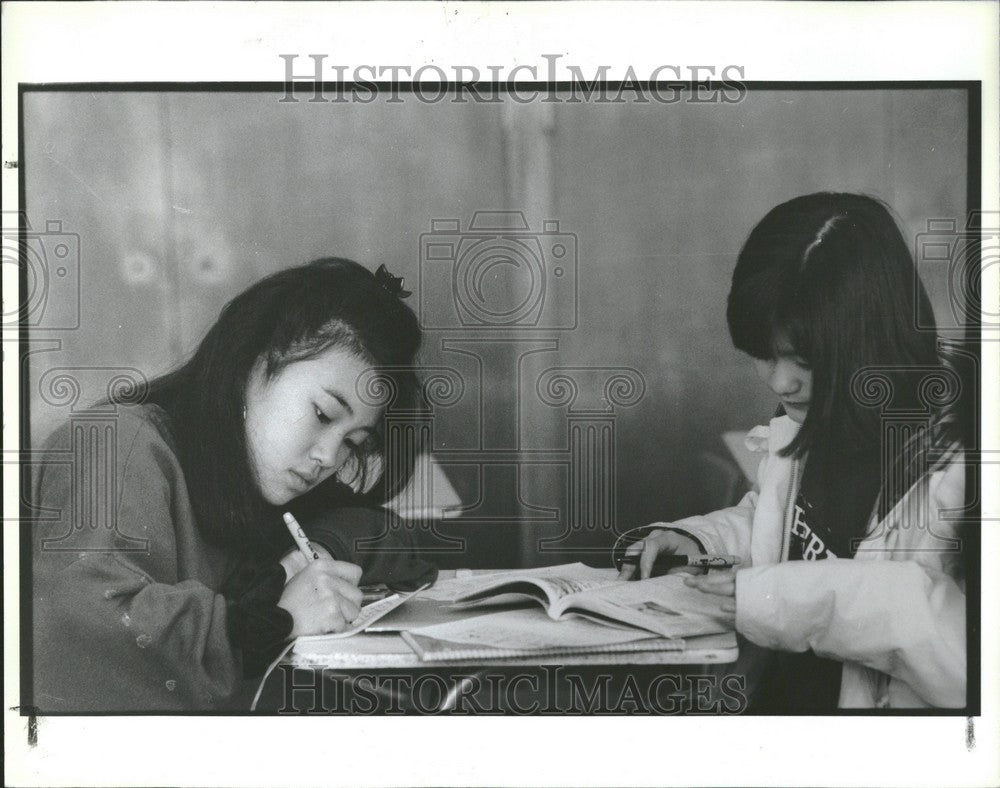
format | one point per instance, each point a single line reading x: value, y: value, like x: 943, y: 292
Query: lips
x: 306, y: 481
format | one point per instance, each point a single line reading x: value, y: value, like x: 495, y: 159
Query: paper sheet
x: 369, y: 615
x: 580, y: 575
x: 662, y: 604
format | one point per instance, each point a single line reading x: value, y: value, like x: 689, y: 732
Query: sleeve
x: 382, y: 544
x: 116, y: 627
x: 897, y: 617
x: 724, y: 532
x: 903, y: 618
x: 256, y: 625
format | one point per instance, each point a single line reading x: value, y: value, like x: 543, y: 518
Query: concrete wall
x: 180, y: 200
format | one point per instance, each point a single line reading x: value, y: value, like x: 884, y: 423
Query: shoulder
x: 124, y: 436
x: 123, y: 462
x: 125, y: 422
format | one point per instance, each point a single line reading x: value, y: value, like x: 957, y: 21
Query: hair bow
x: 394, y: 284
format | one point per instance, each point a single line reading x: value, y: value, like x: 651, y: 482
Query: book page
x: 528, y: 628
x: 664, y: 605
x: 555, y: 582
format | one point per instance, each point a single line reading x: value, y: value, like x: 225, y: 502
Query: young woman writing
x: 267, y: 416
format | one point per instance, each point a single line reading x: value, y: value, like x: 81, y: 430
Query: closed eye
x: 321, y: 417
x: 798, y: 361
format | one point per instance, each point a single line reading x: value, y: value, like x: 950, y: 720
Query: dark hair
x: 831, y: 275
x: 293, y: 315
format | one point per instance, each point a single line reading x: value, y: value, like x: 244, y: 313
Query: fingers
x: 719, y: 583
x: 321, y: 551
x: 347, y: 592
x: 628, y: 570
x: 335, y: 622
x: 652, y: 549
x: 334, y: 586
x: 293, y: 563
x: 349, y: 572
x: 335, y: 604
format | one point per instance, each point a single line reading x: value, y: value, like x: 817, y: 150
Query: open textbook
x: 664, y: 606
x: 528, y: 632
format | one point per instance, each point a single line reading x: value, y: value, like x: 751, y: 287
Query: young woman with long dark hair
x: 270, y: 414
x: 851, y: 569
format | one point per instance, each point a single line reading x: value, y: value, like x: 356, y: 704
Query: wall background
x: 181, y: 200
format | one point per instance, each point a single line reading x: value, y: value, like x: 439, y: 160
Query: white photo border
x: 241, y: 42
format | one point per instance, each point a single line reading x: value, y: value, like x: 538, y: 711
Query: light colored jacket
x: 894, y: 614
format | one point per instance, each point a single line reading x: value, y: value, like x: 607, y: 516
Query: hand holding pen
x: 667, y: 561
x: 666, y: 551
x: 324, y: 595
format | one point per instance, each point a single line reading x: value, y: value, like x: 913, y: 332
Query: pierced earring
x: 244, y: 413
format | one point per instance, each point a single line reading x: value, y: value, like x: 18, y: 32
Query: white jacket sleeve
x: 722, y: 532
x: 897, y: 617
x: 725, y: 532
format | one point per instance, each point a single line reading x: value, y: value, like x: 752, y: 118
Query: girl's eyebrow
x: 343, y: 402
x: 347, y: 406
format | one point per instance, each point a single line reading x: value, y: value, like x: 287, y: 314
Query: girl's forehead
x: 336, y: 368
x: 335, y: 364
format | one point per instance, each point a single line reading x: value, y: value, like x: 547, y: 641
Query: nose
x: 330, y: 452
x: 783, y: 378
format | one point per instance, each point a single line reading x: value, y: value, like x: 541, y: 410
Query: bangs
x: 793, y: 336
x: 765, y: 315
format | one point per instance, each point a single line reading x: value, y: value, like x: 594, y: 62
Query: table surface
x: 387, y: 649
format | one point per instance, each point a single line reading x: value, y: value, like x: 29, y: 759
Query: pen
x: 300, y: 538
x: 671, y: 561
